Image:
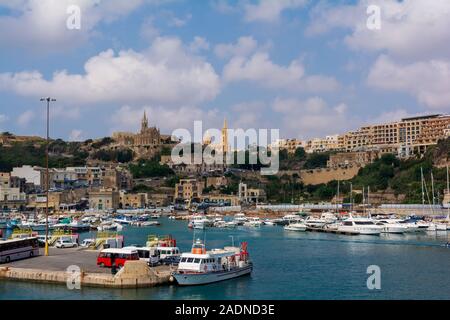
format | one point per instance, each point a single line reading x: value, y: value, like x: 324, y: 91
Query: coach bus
x: 16, y: 249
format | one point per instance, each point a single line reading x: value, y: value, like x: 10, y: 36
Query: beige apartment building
x: 404, y: 138
x: 133, y: 200
x: 104, y: 199
x: 5, y: 178
x: 188, y: 189
x: 291, y: 145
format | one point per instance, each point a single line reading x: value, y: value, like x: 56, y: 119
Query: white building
x: 30, y: 174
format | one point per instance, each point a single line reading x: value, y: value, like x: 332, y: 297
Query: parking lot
x: 61, y: 259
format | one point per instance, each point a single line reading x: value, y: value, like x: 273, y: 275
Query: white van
x: 165, y: 252
x: 147, y: 254
x: 65, y: 243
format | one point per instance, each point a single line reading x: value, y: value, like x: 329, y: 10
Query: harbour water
x: 289, y: 265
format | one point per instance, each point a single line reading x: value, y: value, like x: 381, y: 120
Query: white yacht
x: 253, y: 222
x: 441, y: 226
x: 313, y: 222
x: 240, y: 218
x: 392, y: 226
x: 268, y: 222
x: 200, y: 222
x: 364, y: 226
x: 291, y: 218
x: 220, y: 224
x: 328, y: 217
x: 202, y: 267
x: 297, y: 226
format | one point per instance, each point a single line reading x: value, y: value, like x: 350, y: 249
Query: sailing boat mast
x: 364, y: 201
x: 432, y: 187
x: 448, y: 194
x: 423, y: 191
x: 337, y: 198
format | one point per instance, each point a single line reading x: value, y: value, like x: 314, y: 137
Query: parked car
x: 87, y: 242
x: 170, y: 260
x: 65, y: 243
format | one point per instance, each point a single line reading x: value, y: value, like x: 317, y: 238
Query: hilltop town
x: 135, y: 170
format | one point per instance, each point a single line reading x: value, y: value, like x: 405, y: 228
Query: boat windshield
x: 364, y: 222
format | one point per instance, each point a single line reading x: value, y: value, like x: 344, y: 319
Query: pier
x: 53, y: 269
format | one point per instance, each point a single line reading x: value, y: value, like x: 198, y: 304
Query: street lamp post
x: 47, y: 182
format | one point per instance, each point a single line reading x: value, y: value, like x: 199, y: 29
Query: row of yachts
x: 328, y: 221
x: 95, y: 222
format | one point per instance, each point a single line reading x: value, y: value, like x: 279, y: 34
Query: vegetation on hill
x: 61, y: 154
x: 149, y: 169
x: 122, y: 156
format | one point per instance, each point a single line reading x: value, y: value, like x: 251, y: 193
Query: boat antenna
x: 232, y: 240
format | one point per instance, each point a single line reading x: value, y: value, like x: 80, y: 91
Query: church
x: 147, y: 137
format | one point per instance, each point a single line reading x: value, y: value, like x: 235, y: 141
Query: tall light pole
x: 47, y: 180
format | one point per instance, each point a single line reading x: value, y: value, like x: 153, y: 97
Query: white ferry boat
x: 202, y: 267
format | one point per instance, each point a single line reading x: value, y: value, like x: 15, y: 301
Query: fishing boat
x: 203, y: 267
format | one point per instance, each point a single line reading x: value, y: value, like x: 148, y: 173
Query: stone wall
x: 133, y: 275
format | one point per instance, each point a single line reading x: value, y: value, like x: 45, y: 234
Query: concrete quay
x: 53, y: 269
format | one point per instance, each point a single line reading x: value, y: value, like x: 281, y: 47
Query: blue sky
x: 310, y: 68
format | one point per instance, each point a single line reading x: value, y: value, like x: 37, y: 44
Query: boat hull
x: 194, y: 279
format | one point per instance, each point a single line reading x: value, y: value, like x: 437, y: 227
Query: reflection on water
x: 289, y: 265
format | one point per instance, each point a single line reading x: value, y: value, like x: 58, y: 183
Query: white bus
x: 16, y: 249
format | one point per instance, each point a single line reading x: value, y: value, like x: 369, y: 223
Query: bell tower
x: 144, y: 123
x: 225, y: 137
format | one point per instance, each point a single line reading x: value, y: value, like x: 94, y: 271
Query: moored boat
x: 203, y: 267
x: 298, y: 226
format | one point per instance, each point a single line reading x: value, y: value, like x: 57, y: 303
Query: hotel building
x: 405, y: 137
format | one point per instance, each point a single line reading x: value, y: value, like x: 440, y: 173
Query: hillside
x: 15, y: 152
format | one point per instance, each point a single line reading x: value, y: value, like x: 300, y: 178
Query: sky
x: 309, y: 68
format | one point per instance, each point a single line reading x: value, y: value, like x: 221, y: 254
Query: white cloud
x: 409, y: 29
x: 312, y: 117
x: 128, y: 118
x: 269, y: 10
x: 41, y: 24
x: 223, y: 6
x: 25, y: 118
x: 251, y: 114
x: 165, y: 73
x: 260, y: 69
x: 148, y: 30
x: 199, y: 44
x: 76, y: 135
x: 243, y: 47
x: 427, y: 81
x: 178, y: 22
x: 391, y: 116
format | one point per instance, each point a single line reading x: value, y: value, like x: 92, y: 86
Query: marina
x: 311, y: 259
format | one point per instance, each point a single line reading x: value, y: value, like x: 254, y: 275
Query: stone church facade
x: 145, y: 143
